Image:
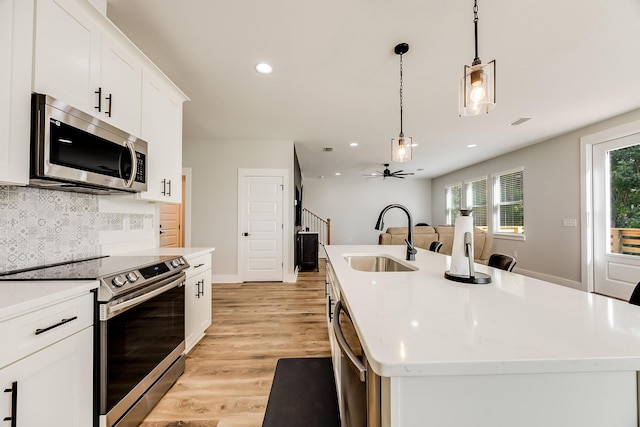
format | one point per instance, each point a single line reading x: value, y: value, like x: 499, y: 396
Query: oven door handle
x: 147, y: 296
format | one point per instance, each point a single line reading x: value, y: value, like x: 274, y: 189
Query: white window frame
x: 449, y: 216
x: 495, y: 226
x: 468, y: 197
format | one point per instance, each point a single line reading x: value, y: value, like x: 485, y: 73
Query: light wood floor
x: 229, y: 373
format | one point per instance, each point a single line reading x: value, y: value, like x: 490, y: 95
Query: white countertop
x: 17, y: 297
x: 421, y: 324
x: 185, y: 252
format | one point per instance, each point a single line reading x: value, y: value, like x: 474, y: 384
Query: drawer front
x: 26, y: 334
x: 198, y: 264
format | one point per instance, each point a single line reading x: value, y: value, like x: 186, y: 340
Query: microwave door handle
x: 134, y: 164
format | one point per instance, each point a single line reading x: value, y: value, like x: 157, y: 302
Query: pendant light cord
x: 476, y: 60
x: 401, y: 134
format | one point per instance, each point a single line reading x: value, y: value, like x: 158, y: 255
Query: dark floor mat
x: 303, y: 394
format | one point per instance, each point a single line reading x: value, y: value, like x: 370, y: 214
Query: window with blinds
x: 453, y: 194
x: 509, y: 202
x: 476, y: 199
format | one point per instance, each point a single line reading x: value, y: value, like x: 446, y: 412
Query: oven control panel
x: 126, y: 281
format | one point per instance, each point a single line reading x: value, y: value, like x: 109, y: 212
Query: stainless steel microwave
x: 73, y: 151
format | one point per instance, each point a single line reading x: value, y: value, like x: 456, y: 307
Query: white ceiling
x: 564, y: 63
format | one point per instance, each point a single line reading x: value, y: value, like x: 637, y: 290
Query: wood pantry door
x: 261, y: 228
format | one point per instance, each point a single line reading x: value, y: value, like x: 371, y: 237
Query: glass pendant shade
x: 401, y: 149
x: 477, y: 93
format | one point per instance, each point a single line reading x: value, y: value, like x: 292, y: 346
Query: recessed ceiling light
x: 264, y: 68
x: 353, y: 144
x: 472, y: 145
x: 337, y: 173
x: 414, y: 144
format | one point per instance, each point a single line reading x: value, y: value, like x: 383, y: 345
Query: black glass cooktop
x: 84, y: 269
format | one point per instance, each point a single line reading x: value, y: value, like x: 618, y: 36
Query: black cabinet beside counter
x: 307, y: 248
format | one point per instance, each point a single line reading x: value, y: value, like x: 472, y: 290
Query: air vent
x: 327, y: 149
x: 520, y: 121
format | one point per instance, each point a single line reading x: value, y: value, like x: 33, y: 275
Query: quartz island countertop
x: 418, y: 323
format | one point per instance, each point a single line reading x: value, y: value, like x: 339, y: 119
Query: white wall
x: 551, y: 192
x: 214, y: 196
x: 354, y: 204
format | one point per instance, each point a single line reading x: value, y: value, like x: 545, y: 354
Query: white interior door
x: 616, y: 252
x: 261, y: 202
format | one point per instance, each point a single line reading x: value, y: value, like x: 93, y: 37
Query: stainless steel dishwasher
x: 360, y: 386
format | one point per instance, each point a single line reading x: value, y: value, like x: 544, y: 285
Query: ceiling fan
x: 386, y: 173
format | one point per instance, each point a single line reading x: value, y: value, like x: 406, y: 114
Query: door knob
x: 245, y: 234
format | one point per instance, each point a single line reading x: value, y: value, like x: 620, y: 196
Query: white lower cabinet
x: 47, y: 376
x: 197, y: 299
x: 53, y: 387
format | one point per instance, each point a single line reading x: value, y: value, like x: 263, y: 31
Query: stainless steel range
x: 140, y: 334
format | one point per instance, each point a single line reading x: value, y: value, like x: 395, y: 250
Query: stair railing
x: 312, y: 222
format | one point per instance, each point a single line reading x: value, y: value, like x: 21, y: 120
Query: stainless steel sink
x: 377, y: 263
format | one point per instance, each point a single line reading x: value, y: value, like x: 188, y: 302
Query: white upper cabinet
x: 16, y: 38
x: 82, y: 59
x: 162, y: 129
x: 120, y: 86
x: 79, y: 63
x: 67, y: 54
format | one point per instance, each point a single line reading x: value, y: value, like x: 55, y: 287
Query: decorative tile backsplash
x: 40, y: 226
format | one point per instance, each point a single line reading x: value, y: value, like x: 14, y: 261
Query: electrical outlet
x: 569, y: 222
x: 515, y: 254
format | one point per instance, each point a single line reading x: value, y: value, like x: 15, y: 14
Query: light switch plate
x: 569, y: 222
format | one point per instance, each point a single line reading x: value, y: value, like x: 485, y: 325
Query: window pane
x: 511, y: 218
x: 454, y: 202
x: 477, y: 196
x: 511, y: 187
x: 509, y: 208
x: 480, y: 217
x: 624, y: 167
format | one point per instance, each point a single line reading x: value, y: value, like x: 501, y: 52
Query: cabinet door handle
x: 99, y: 106
x: 109, y: 98
x: 14, y: 404
x: 60, y: 323
x: 164, y: 187
x: 169, y: 183
x: 198, y: 266
x: 200, y: 290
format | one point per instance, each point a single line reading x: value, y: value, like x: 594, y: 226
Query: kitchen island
x: 515, y: 352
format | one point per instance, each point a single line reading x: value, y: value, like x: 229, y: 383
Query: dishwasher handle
x: 356, y: 363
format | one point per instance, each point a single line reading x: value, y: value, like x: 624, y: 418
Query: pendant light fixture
x: 478, y: 84
x: 401, y: 146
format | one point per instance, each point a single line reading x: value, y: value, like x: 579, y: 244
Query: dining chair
x: 635, y: 295
x: 501, y: 261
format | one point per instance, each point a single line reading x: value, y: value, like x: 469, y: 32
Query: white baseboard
x: 234, y: 278
x: 225, y: 278
x: 553, y: 279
